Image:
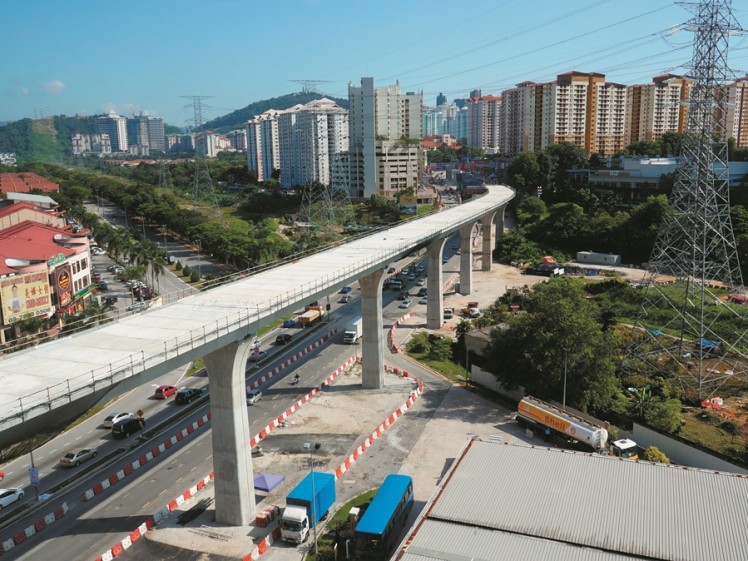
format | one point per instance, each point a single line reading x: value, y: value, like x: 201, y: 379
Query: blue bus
x: 379, y: 528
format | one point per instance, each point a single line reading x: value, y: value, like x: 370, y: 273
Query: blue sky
x: 86, y: 57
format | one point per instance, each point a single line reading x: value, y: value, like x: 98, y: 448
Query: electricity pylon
x: 691, y: 327
x: 203, y: 183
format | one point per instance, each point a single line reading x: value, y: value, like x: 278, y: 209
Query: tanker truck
x: 549, y: 419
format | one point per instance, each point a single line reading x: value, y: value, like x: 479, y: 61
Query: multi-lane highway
x: 89, y: 525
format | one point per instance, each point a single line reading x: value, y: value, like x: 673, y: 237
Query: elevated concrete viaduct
x: 37, y: 384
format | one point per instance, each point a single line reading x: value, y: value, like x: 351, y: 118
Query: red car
x: 162, y: 392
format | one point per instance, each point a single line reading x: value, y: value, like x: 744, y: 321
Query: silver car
x: 115, y: 418
x: 73, y: 459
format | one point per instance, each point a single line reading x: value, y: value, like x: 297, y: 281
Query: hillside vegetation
x: 236, y: 119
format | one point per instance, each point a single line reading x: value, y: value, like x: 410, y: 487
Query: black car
x: 283, y: 338
x: 187, y: 395
x: 103, y: 285
x: 126, y: 427
x: 110, y: 300
x: 403, y: 295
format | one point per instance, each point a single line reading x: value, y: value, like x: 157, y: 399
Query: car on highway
x: 9, y: 496
x: 257, y: 356
x: 423, y: 301
x: 126, y: 427
x: 345, y: 299
x: 420, y: 282
x: 187, y: 395
x: 162, y: 392
x: 74, y: 459
x: 403, y: 295
x: 423, y: 292
x: 110, y: 421
x: 405, y: 304
x: 289, y: 323
x: 283, y: 338
x: 391, y: 270
x: 345, y: 290
x: 253, y: 396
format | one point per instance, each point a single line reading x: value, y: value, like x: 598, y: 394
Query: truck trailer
x: 353, y: 331
x: 532, y: 412
x: 307, y: 504
x: 312, y: 315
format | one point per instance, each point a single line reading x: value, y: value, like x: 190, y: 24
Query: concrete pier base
x: 466, y: 259
x: 435, y: 306
x: 372, y: 343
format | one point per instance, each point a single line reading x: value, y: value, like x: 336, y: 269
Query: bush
x: 186, y: 272
x: 654, y: 454
x: 178, y: 266
x: 663, y: 414
x: 419, y: 343
x: 730, y: 427
x: 195, y: 276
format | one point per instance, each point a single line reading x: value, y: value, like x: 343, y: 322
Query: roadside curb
x: 35, y: 528
x: 156, y: 451
x: 394, y: 416
x: 391, y: 335
x: 122, y: 545
x: 286, y: 363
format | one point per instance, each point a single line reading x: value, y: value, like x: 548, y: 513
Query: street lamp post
x: 199, y: 270
x: 566, y: 357
x: 311, y: 449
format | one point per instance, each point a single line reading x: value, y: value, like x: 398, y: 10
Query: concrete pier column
x: 434, y: 285
x: 372, y: 338
x: 500, y: 221
x: 466, y: 259
x: 232, y: 458
x: 489, y: 240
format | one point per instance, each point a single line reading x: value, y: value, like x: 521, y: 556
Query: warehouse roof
x: 503, y: 501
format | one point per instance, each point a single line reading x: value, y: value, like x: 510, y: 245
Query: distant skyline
x: 87, y: 57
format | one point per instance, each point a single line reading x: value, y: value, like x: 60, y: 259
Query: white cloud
x: 108, y: 107
x: 25, y: 91
x: 54, y: 87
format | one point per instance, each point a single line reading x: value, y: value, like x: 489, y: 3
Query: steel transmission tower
x: 326, y: 207
x: 203, y: 182
x: 310, y: 86
x: 689, y: 329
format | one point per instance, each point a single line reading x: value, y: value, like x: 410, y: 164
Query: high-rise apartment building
x: 385, y: 137
x: 441, y: 99
x: 483, y: 123
x: 263, y: 145
x: 737, y: 112
x: 116, y: 127
x: 657, y: 108
x: 310, y: 138
x: 515, y: 119
x: 578, y: 107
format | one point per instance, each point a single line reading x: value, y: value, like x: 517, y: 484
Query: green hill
x: 236, y: 119
x: 45, y: 140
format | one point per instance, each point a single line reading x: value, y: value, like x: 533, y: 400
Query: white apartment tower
x: 263, y: 152
x: 311, y: 136
x: 385, y: 137
x: 656, y: 108
x: 483, y: 120
x: 116, y: 127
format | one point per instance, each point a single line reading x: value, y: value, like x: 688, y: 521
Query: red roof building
x: 25, y: 182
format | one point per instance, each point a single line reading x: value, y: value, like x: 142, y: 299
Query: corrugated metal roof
x: 635, y: 508
x: 441, y: 540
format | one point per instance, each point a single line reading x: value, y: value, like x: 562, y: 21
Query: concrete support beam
x: 500, y: 221
x: 372, y: 338
x: 232, y: 458
x: 466, y: 259
x: 434, y: 284
x: 489, y: 240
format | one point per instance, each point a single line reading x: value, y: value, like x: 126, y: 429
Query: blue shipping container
x: 317, y: 485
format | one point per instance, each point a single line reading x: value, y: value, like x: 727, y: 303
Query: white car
x: 110, y: 421
x: 9, y: 496
x: 137, y: 306
x: 253, y: 396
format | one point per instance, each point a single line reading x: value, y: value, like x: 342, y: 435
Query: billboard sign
x: 24, y: 295
x: 63, y: 285
x: 409, y: 205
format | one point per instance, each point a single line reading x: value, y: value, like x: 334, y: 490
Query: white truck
x: 353, y: 332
